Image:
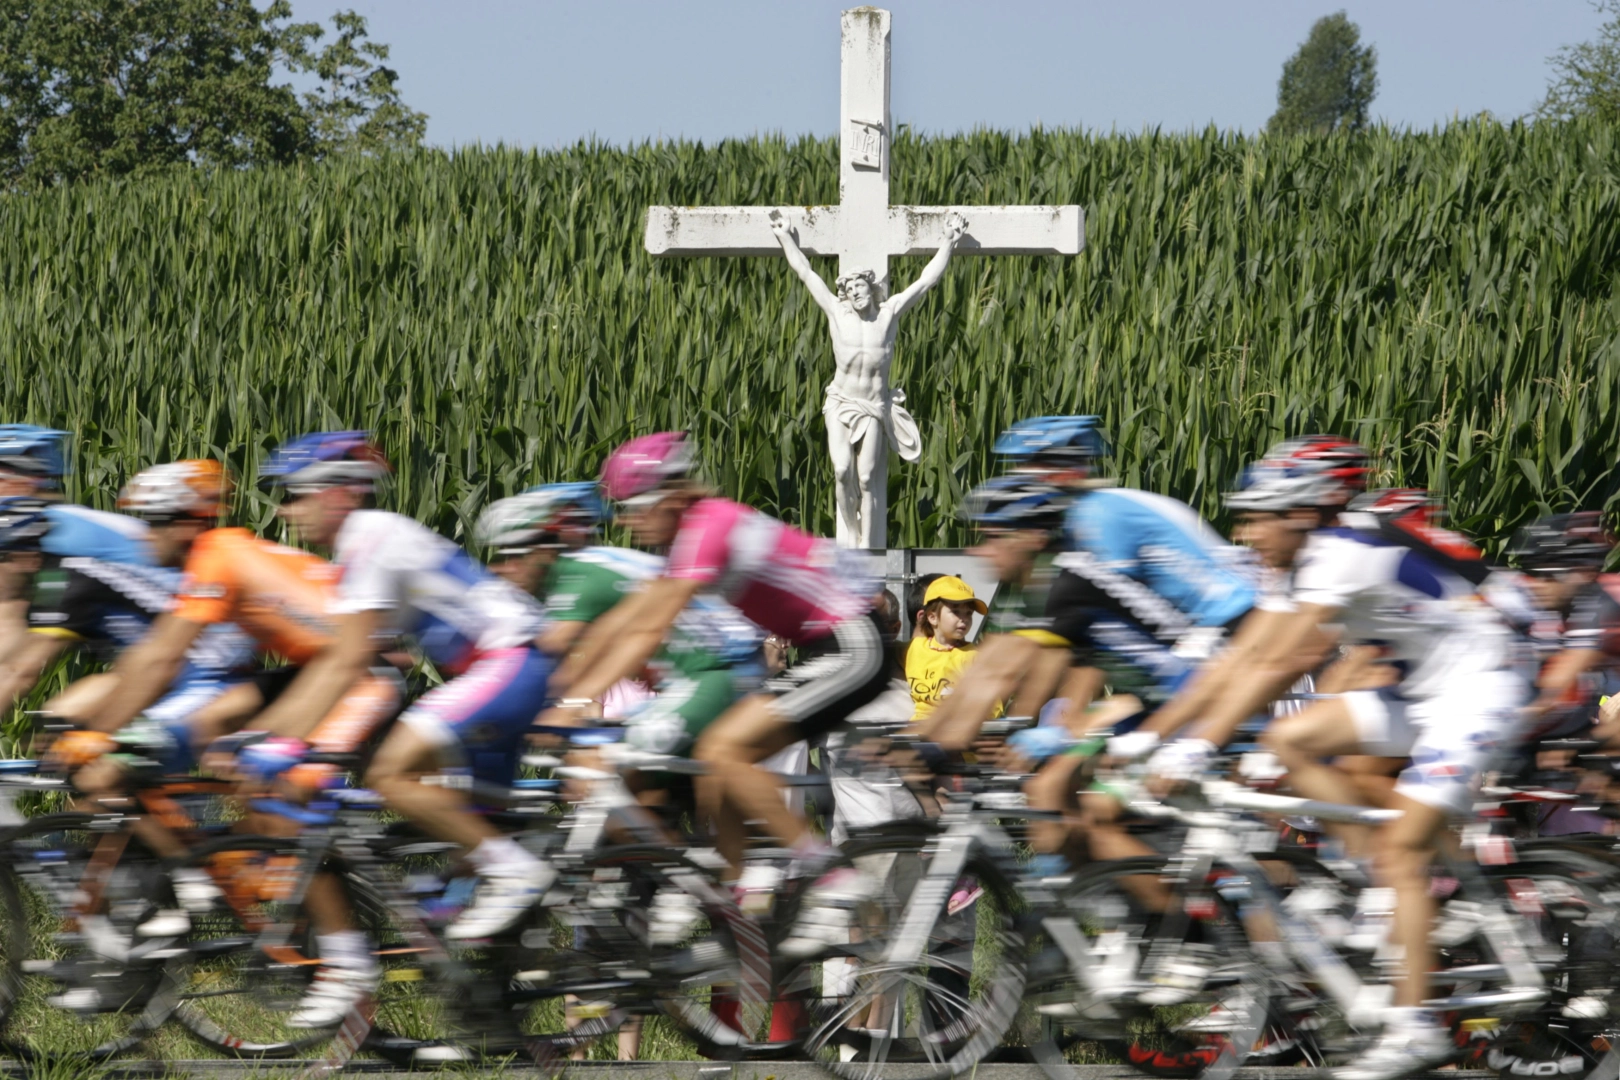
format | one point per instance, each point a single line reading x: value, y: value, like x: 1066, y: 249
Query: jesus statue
x: 864, y: 413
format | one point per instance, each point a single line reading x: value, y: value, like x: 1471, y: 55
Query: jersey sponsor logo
x: 202, y: 592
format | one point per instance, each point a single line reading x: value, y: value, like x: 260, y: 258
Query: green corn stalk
x: 1447, y: 297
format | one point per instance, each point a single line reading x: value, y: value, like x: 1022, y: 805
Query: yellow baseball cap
x: 953, y: 589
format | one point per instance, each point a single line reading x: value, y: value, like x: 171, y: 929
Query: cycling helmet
x: 37, y: 452
x: 1312, y: 471
x: 181, y: 489
x: 644, y: 465
x: 1054, y: 441
x: 325, y: 459
x: 22, y: 523
x: 1396, y: 502
x: 1016, y: 502
x: 1575, y: 541
x: 538, y: 517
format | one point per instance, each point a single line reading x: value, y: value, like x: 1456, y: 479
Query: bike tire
x: 963, y: 994
x: 44, y: 863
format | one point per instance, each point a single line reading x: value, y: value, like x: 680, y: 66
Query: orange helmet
x: 199, y: 488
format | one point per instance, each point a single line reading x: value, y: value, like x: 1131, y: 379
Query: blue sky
x: 540, y: 73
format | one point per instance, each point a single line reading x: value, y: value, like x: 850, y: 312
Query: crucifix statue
x: 863, y: 412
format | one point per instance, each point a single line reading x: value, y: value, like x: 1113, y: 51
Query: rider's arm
x: 796, y: 258
x: 1217, y: 675
x: 326, y: 678
x: 24, y: 666
x: 643, y: 628
x: 146, y: 669
x: 1561, y: 673
x: 1293, y: 647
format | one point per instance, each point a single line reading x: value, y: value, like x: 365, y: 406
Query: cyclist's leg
x: 842, y: 672
x: 1459, y: 735
x: 734, y: 791
x: 1367, y: 721
x: 341, y: 943
x: 477, y: 721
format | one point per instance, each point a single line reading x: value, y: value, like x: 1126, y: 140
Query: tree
x: 1330, y: 83
x: 118, y: 88
x: 357, y: 106
x: 1586, y: 77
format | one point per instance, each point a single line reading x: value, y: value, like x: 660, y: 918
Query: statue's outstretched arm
x: 819, y: 292
x: 955, y: 226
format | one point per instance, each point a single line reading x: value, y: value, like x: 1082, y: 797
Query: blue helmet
x: 326, y: 459
x: 35, y: 451
x: 1017, y: 502
x: 540, y: 517
x: 22, y: 523
x: 1059, y: 441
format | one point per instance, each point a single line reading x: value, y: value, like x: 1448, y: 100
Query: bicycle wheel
x: 635, y: 931
x: 1564, y: 898
x: 951, y: 1006
x: 80, y: 982
x: 1148, y: 971
x: 251, y: 956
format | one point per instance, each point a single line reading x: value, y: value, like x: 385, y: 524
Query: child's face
x: 952, y: 622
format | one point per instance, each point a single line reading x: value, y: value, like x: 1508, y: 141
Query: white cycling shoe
x: 335, y: 991
x: 1407, y: 1046
x: 500, y: 903
x: 196, y: 893
x: 827, y: 913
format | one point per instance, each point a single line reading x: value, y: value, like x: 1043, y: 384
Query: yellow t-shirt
x: 932, y: 670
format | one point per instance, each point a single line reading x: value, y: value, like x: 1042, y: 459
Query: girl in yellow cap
x: 936, y: 657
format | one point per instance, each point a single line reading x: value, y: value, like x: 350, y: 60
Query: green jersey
x: 707, y: 636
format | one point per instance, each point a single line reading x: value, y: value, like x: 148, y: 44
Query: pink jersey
x: 784, y: 580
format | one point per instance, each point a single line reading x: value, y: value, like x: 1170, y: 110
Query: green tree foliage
x: 356, y: 107
x: 1330, y: 83
x: 1586, y: 77
x: 1450, y: 298
x: 113, y: 88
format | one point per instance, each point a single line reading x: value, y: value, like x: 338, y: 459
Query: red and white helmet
x: 645, y: 465
x: 1310, y: 472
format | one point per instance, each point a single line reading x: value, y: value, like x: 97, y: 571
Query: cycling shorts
x: 835, y: 676
x: 1452, y: 737
x: 173, y: 712
x: 671, y: 721
x: 478, y: 719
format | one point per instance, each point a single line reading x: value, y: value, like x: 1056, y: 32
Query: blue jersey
x: 78, y: 532
x: 1160, y: 550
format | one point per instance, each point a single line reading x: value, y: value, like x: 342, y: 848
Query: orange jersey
x: 278, y: 595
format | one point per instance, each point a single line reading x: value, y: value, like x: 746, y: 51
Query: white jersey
x: 1433, y: 624
x: 430, y: 590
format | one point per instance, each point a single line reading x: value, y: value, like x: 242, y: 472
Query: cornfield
x: 1447, y: 297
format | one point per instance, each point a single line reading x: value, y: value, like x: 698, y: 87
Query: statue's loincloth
x: 857, y: 416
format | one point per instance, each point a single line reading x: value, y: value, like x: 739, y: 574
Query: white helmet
x: 539, y: 516
x: 198, y: 488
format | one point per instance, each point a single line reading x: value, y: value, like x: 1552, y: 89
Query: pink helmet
x: 646, y: 464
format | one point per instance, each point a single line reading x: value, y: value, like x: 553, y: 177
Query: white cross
x: 863, y: 230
